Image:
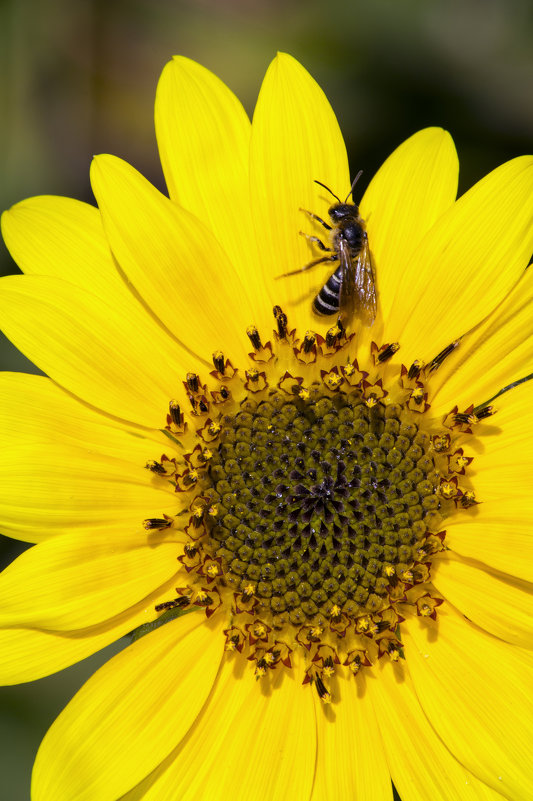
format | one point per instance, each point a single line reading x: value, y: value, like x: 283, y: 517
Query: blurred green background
x: 79, y: 78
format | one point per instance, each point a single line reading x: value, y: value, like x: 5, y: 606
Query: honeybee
x: 350, y: 291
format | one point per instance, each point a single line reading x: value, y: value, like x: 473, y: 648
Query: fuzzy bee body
x: 350, y: 291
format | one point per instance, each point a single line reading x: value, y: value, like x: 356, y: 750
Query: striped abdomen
x: 327, y: 301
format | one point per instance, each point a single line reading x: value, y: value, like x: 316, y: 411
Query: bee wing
x: 365, y: 286
x: 347, y: 295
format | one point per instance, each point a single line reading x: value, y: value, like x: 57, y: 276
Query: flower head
x: 316, y: 526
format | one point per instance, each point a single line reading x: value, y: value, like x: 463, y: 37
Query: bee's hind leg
x: 308, y: 266
x: 317, y: 242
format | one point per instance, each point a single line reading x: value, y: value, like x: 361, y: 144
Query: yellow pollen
x: 198, y: 510
x: 389, y: 571
x: 363, y: 624
x: 328, y: 671
x: 425, y: 610
x: 259, y: 672
x: 303, y: 393
x: 335, y: 610
x: 201, y: 595
x: 333, y: 380
x: 269, y: 658
x: 448, y: 490
x: 316, y: 631
x: 213, y: 510
x: 371, y: 401
x: 260, y: 630
x: 394, y: 654
x: 213, y: 570
x: 249, y: 589
x: 407, y: 576
x: 214, y: 428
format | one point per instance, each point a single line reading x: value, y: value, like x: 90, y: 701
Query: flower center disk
x: 322, y: 505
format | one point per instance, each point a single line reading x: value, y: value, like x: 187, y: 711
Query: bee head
x: 341, y: 211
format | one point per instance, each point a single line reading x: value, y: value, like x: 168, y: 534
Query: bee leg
x: 317, y: 218
x: 308, y: 266
x: 317, y: 241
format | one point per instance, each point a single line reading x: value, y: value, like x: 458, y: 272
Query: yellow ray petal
x: 172, y: 259
x: 52, y: 415
x: 130, y: 714
x: 497, y: 533
x: 467, y: 263
x: 29, y: 654
x: 420, y: 765
x: 81, y: 580
x: 251, y: 742
x: 496, y: 602
x: 64, y: 238
x: 350, y: 758
x: 203, y: 134
x: 295, y: 140
x: 97, y: 352
x: 494, y: 355
x: 184, y: 769
x: 52, y: 488
x: 475, y: 691
x: 415, y: 185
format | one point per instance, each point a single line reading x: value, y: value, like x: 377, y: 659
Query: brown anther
x: 323, y: 693
x: 415, y: 369
x: 333, y: 335
x: 155, y: 467
x: 435, y: 363
x: 386, y: 352
x: 193, y: 382
x: 190, y: 550
x: 468, y: 499
x: 309, y: 341
x: 219, y: 362
x: 177, y: 603
x: 281, y: 320
x: 175, y: 412
x: 156, y: 523
x: 254, y: 337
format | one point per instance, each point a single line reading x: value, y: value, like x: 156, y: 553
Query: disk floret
x: 312, y: 497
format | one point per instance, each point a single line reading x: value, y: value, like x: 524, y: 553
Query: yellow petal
x: 420, y: 765
x: 253, y: 741
x: 173, y: 261
x: 476, y: 693
x: 97, y: 352
x: 29, y: 654
x: 501, y: 605
x: 295, y: 140
x: 415, y: 185
x: 49, y: 489
x: 81, y: 580
x: 130, y: 714
x: 62, y: 237
x: 350, y: 758
x: 51, y: 415
x: 467, y: 263
x: 497, y: 533
x: 503, y: 468
x: 203, y: 134
x: 494, y: 355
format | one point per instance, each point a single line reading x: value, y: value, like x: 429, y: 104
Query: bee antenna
x: 353, y: 185
x: 328, y: 189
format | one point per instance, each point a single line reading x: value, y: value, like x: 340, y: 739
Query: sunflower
x: 317, y: 529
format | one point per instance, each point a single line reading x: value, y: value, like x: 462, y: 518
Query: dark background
x: 79, y: 78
